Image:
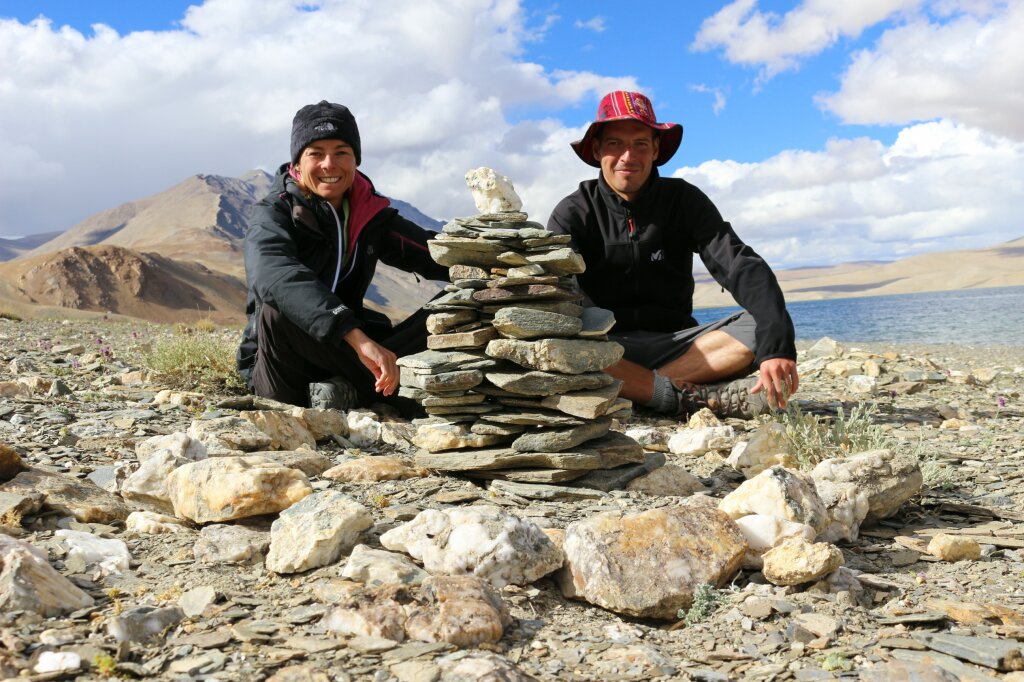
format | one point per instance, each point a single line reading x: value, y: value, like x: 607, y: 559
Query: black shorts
x: 656, y: 349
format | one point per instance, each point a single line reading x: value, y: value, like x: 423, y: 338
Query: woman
x: 310, y: 253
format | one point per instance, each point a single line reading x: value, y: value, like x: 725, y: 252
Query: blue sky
x: 826, y: 132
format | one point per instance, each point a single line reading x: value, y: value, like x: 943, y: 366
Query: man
x: 638, y: 232
x: 311, y: 250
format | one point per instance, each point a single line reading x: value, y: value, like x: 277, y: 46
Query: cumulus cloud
x: 776, y: 43
x: 967, y: 68
x: 88, y: 121
x: 860, y: 199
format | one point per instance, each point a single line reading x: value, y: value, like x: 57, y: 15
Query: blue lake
x: 969, y: 316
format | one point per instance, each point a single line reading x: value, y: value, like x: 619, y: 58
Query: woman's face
x: 327, y: 168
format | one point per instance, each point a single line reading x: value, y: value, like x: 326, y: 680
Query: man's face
x: 327, y: 168
x: 626, y: 151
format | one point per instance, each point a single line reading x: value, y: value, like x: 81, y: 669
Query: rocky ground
x: 165, y: 598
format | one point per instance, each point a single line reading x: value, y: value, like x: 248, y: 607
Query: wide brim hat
x: 622, y: 105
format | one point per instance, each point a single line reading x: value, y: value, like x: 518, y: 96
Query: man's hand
x: 381, y: 362
x: 778, y: 379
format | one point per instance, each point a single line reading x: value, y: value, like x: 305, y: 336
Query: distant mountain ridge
x: 190, y: 239
x: 200, y: 221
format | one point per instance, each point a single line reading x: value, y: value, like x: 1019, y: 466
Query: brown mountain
x: 122, y: 281
x: 195, y: 232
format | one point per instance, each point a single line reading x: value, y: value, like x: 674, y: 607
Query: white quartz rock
x: 316, y: 531
x: 179, y: 443
x: 148, y: 485
x: 699, y: 441
x: 483, y: 541
x: 151, y: 523
x: 110, y: 556
x: 364, y: 428
x: 779, y: 492
x: 492, y: 193
x: 764, y: 532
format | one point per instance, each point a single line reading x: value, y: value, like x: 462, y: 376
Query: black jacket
x: 291, y: 261
x: 639, y: 258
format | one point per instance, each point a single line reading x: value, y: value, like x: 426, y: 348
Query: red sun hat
x: 622, y: 105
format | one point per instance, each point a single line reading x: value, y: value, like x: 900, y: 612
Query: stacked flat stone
x: 512, y: 378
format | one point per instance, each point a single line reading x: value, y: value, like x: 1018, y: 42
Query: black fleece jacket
x: 291, y: 261
x: 639, y: 258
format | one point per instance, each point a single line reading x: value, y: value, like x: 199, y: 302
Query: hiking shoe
x: 336, y: 393
x: 727, y: 399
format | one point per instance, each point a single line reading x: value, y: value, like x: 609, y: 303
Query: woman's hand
x: 381, y: 362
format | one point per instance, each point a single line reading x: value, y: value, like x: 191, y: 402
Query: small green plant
x: 196, y: 362
x: 8, y: 315
x: 380, y: 500
x: 936, y: 474
x: 835, y: 660
x: 105, y: 664
x: 813, y: 438
x: 706, y: 600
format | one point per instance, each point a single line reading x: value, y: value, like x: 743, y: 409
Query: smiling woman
x: 310, y: 253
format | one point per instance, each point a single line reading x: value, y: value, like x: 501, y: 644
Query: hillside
x: 112, y: 279
x: 996, y: 266
x: 195, y: 230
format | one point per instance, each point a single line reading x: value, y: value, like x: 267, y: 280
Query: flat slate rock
x: 567, y: 356
x: 533, y: 491
x: 610, y: 451
x: 537, y: 383
x: 536, y: 476
x: 436, y: 362
x: 479, y: 252
x: 525, y: 323
x: 478, y: 338
x: 443, y: 322
x: 446, y: 381
x: 596, y: 322
x: 562, y: 261
x: 534, y: 417
x: 616, y: 479
x: 525, y: 292
x: 556, y: 440
x: 561, y: 307
x: 69, y: 496
x: 998, y: 654
x: 588, y: 404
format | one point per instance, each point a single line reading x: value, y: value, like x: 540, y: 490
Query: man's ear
x: 657, y: 140
x: 595, y: 149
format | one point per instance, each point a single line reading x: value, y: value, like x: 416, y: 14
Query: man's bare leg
x: 713, y: 357
x: 716, y: 356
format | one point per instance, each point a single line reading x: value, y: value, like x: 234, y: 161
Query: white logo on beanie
x: 325, y: 127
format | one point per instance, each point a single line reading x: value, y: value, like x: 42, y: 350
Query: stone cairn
x: 512, y: 378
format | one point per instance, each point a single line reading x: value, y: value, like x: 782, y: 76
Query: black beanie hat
x: 324, y: 121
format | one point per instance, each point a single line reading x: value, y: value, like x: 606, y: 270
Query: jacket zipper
x: 337, y: 270
x: 634, y: 254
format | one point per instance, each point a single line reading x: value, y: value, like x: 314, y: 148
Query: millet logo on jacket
x: 658, y: 255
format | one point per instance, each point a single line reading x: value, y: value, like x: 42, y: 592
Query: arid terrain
x: 176, y: 601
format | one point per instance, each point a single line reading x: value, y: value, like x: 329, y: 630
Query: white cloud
x: 775, y: 44
x: 595, y: 24
x: 931, y: 190
x: 719, y: 103
x: 90, y: 121
x: 969, y: 69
